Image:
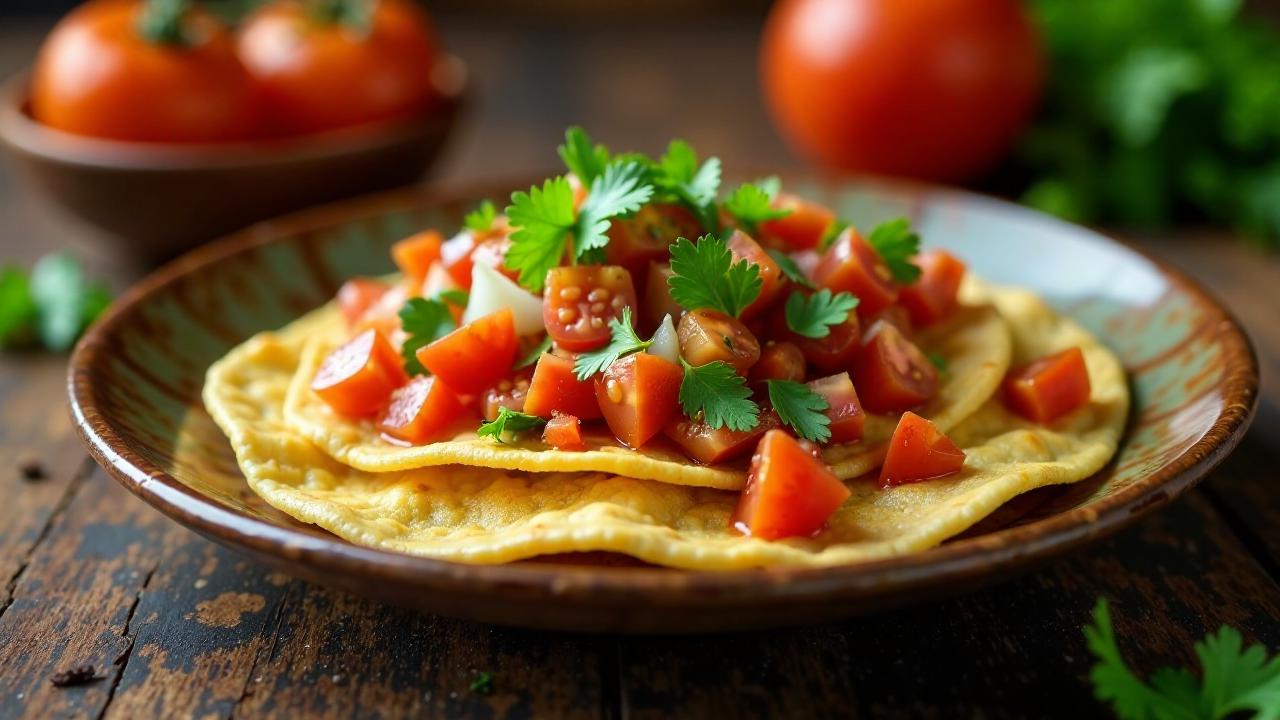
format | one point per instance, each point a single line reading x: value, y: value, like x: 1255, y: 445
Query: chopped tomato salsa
x: 790, y: 492
x: 918, y: 452
x: 564, y: 432
x: 415, y: 255
x: 933, y: 296
x: 474, y: 356
x: 1050, y: 387
x: 638, y: 395
x: 420, y: 410
x: 357, y: 378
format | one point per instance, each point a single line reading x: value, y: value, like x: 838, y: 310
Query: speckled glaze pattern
x: 135, y: 396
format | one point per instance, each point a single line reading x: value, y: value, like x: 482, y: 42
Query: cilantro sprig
x: 813, y: 316
x: 718, y: 395
x: 508, y: 423
x: 623, y: 341
x: 752, y: 203
x: 789, y: 268
x: 52, y: 306
x: 897, y: 243
x: 1234, y: 678
x: 481, y: 219
x: 800, y: 407
x: 678, y: 175
x: 583, y: 157
x: 705, y: 276
x: 424, y: 321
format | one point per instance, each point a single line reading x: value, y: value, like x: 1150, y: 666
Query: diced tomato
x: 555, y: 389
x: 357, y: 378
x: 891, y: 372
x: 711, y: 446
x: 474, y: 356
x: 933, y: 296
x: 657, y: 302
x: 803, y: 228
x: 420, y: 410
x: 779, y: 361
x: 460, y: 253
x: 357, y: 295
x: 637, y: 241
x: 1050, y: 387
x: 415, y: 254
x: 789, y: 493
x: 710, y: 335
x: 852, y: 265
x: 564, y: 432
x: 772, y: 282
x: 843, y: 407
x: 807, y: 261
x: 638, y: 395
x: 509, y: 393
x: 829, y: 354
x: 897, y: 316
x: 917, y: 452
x: 580, y: 302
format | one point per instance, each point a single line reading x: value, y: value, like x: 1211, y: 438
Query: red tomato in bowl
x: 933, y: 89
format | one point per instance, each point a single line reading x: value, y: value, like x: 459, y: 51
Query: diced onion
x: 491, y: 291
x: 437, y: 281
x: 666, y: 344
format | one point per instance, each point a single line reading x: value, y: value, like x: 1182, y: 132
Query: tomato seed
x: 614, y: 390
x: 566, y: 315
x: 599, y: 295
x: 571, y: 293
x: 597, y: 308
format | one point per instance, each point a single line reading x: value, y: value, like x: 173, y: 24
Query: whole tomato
x: 156, y: 72
x: 340, y: 63
x: 932, y: 89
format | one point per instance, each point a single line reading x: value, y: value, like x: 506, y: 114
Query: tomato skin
x: 357, y: 295
x: 789, y: 493
x: 459, y: 253
x: 803, y: 228
x: 933, y: 296
x: 711, y: 446
x: 657, y: 302
x: 555, y: 389
x: 829, y: 354
x: 415, y: 254
x: 509, y: 393
x: 852, y: 265
x: 843, y: 407
x: 1050, y: 387
x: 580, y: 302
x: 778, y: 361
x: 710, y: 335
x: 932, y: 89
x: 97, y: 76
x: 891, y: 373
x: 637, y: 241
x: 564, y: 432
x: 638, y: 395
x: 918, y: 452
x: 316, y: 76
x: 474, y: 356
x: 897, y: 316
x: 772, y: 282
x: 420, y: 410
x: 358, y: 377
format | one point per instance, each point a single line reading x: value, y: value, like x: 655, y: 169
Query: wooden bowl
x: 135, y: 385
x: 156, y: 200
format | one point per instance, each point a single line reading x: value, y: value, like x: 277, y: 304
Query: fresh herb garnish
x: 483, y: 684
x: 719, y: 395
x: 481, y: 219
x: 1234, y: 679
x: 789, y: 267
x: 532, y: 356
x: 621, y: 190
x: 751, y: 204
x: 424, y: 321
x: 509, y: 422
x: 897, y: 244
x: 813, y: 316
x: 832, y: 232
x: 583, y: 157
x: 52, y: 306
x: 623, y: 341
x: 705, y: 276
x: 456, y: 297
x: 678, y: 175
x: 937, y: 360
x: 800, y: 407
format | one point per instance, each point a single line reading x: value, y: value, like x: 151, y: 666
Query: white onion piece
x: 491, y: 291
x: 437, y: 281
x: 666, y: 344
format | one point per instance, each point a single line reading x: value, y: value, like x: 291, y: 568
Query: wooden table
x: 179, y: 627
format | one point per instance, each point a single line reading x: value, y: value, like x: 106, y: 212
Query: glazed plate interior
x: 136, y: 381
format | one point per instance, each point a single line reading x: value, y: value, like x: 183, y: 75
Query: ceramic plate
x: 135, y: 395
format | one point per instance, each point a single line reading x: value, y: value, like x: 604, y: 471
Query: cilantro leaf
x: 481, y: 219
x: 18, y: 310
x: 624, y: 341
x: 456, y: 297
x: 705, y: 276
x: 1238, y: 678
x: 897, y: 244
x: 532, y: 356
x: 482, y: 684
x: 832, y: 232
x: 813, y: 316
x: 1112, y: 680
x: 424, y: 321
x: 584, y: 158
x: 542, y: 219
x: 751, y: 205
x: 508, y: 423
x: 719, y: 395
x: 678, y: 174
x: 622, y: 189
x: 789, y: 267
x: 800, y: 407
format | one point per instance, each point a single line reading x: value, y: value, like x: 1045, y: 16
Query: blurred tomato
x: 367, y: 61
x: 106, y: 71
x: 933, y: 89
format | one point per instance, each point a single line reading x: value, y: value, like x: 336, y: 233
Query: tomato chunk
x: 462, y: 251
x: 772, y: 282
x: 897, y: 316
x: 891, y: 372
x: 709, y: 445
x: 357, y: 295
x: 581, y: 300
x: 852, y: 265
x: 843, y: 407
x: 474, y: 356
x: 420, y: 410
x: 917, y: 452
x: 637, y: 241
x: 657, y: 302
x: 803, y: 228
x: 779, y: 361
x: 710, y: 335
x: 638, y: 395
x: 790, y: 492
x: 357, y: 378
x: 415, y: 254
x: 829, y: 354
x: 564, y: 432
x: 933, y: 296
x: 1050, y: 387
x: 555, y: 389
x: 509, y: 393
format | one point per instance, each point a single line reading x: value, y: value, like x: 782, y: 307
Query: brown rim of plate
x: 958, y: 561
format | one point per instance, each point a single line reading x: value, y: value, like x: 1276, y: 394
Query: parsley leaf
x: 481, y: 219
x: 705, y: 276
x: 800, y: 407
x: 832, y: 232
x: 897, y: 244
x: 532, y: 356
x: 719, y: 395
x: 789, y: 267
x: 813, y: 316
x: 509, y: 422
x: 583, y: 157
x: 18, y: 310
x: 622, y: 189
x: 624, y: 341
x: 678, y: 174
x: 542, y: 219
x: 424, y: 321
x: 751, y: 205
